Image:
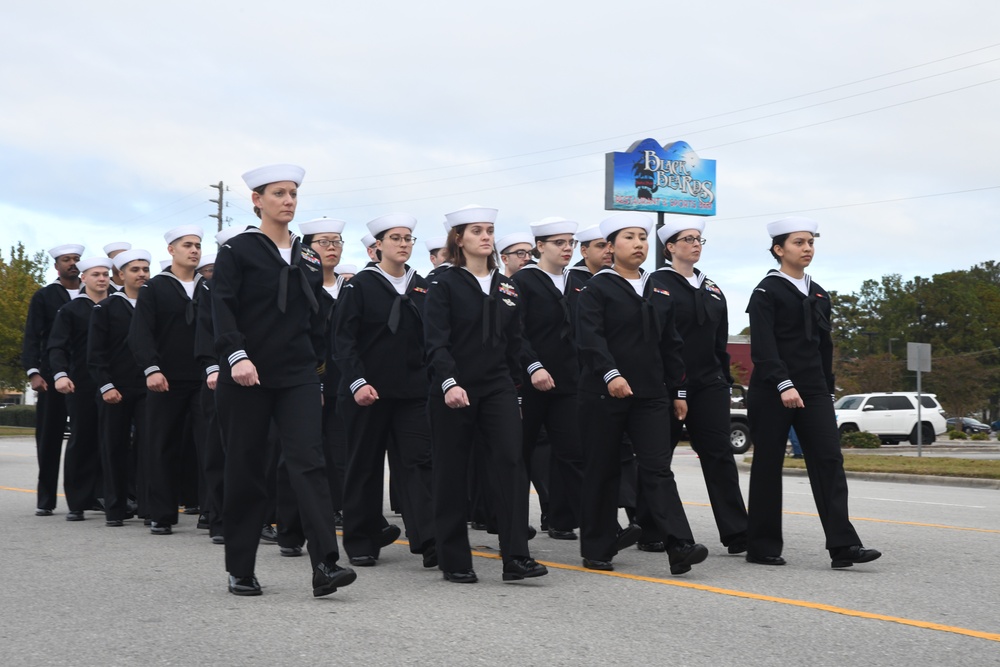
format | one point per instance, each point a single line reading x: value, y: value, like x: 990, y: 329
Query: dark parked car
x: 967, y: 425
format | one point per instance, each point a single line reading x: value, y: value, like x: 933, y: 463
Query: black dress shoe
x: 160, y: 528
x: 531, y: 532
x: 328, y: 578
x: 338, y: 519
x: 203, y: 523
x: 114, y: 523
x: 765, y: 560
x: 544, y: 524
x: 562, y: 534
x: 389, y: 535
x: 74, y: 516
x: 475, y: 525
x: 218, y: 539
x: 430, y: 556
x: 193, y: 509
x: 850, y: 555
x: 462, y: 577
x: 41, y: 511
x: 655, y: 547
x: 683, y: 556
x: 363, y: 561
x: 523, y: 568
x: 291, y: 552
x: 598, y: 564
x: 268, y: 535
x: 244, y: 585
x: 627, y: 537
x: 738, y: 546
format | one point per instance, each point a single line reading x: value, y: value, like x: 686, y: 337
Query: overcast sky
x: 116, y: 116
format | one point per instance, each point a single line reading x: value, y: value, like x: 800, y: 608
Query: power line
x: 150, y: 212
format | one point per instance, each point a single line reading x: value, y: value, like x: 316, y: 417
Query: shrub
x: 957, y: 435
x: 860, y: 440
x: 18, y: 415
x: 979, y: 436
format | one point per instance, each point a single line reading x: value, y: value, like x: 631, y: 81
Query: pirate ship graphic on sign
x: 671, y: 178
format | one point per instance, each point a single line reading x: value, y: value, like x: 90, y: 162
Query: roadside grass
x: 911, y: 465
x: 22, y: 431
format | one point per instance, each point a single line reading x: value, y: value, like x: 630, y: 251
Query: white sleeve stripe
x: 108, y: 387
x: 58, y: 376
x: 32, y: 371
x: 682, y: 393
x: 611, y: 375
x: 537, y: 366
x: 448, y: 384
x: 152, y: 369
x: 238, y: 355
x: 786, y: 384
x: 358, y: 384
x: 214, y: 368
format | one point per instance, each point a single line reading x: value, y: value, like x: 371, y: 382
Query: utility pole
x: 217, y: 216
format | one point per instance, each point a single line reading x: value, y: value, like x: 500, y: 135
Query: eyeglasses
x: 521, y: 254
x: 694, y: 239
x: 562, y: 243
x: 326, y: 243
x: 401, y: 240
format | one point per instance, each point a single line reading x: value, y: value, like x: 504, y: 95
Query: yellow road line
x: 991, y: 636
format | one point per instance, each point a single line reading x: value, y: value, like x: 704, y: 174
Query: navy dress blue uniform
x: 473, y: 340
x: 213, y: 454
x: 68, y: 358
x: 267, y: 310
x: 379, y: 341
x: 113, y: 367
x: 702, y: 320
x: 548, y: 344
x: 621, y: 333
x: 50, y: 410
x: 791, y: 346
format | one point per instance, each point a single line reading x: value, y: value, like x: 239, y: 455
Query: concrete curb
x: 900, y: 478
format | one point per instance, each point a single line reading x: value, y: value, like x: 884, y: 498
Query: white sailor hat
x: 165, y: 264
x: 68, y: 249
x: 183, y: 230
x: 792, y: 224
x: 589, y: 234
x: 469, y: 214
x: 274, y: 173
x: 625, y: 220
x: 222, y: 238
x: 368, y: 240
x: 322, y: 226
x: 674, y: 225
x: 447, y: 226
x: 206, y: 260
x: 91, y: 262
x: 391, y: 221
x: 436, y: 243
x: 117, y: 245
x: 130, y: 256
x: 553, y: 226
x: 507, y: 241
x: 346, y: 268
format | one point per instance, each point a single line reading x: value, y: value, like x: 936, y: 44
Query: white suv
x: 892, y: 416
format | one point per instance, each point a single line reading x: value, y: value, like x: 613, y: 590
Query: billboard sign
x: 669, y: 178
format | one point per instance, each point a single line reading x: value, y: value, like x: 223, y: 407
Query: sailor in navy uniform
x: 549, y: 361
x: 379, y: 341
x: 269, y: 330
x: 631, y: 370
x: 702, y: 320
x: 122, y: 389
x: 50, y: 409
x: 472, y: 333
x: 68, y: 361
x: 112, y: 250
x: 162, y: 340
x: 792, y: 384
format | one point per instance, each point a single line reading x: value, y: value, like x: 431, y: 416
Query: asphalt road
x: 84, y: 594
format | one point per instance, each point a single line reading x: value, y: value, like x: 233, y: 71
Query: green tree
x: 20, y: 277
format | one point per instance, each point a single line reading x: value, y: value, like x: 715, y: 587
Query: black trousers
x: 82, y: 466
x: 603, y: 421
x: 389, y: 424
x: 116, y: 423
x: 245, y: 414
x: 495, y: 417
x: 167, y: 429
x: 558, y: 414
x: 816, y: 426
x: 708, y: 427
x: 50, y: 427
x: 213, y: 463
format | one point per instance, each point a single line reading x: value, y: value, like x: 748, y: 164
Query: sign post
x: 918, y: 358
x: 665, y: 179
